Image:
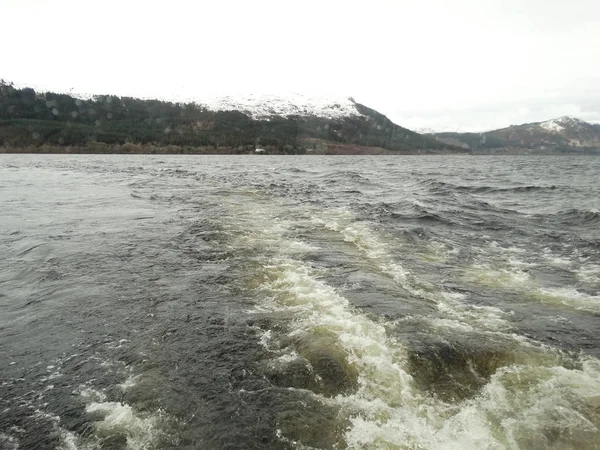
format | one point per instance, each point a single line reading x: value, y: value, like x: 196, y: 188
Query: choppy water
x: 299, y: 302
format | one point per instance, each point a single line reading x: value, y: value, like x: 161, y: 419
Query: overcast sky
x: 440, y: 64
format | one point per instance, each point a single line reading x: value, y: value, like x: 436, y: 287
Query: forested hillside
x: 30, y: 119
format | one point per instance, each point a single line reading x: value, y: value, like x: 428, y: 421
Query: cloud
x: 465, y: 63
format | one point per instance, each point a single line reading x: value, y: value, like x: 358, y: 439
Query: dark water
x: 301, y: 302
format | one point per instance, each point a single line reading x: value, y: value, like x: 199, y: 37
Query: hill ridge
x: 561, y: 134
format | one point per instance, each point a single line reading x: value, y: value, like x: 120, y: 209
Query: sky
x: 463, y: 65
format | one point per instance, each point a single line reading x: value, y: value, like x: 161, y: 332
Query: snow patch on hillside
x: 257, y: 106
x: 558, y: 125
x: 428, y: 130
x: 552, y: 125
x: 265, y: 106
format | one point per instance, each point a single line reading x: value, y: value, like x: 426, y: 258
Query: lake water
x: 259, y: 302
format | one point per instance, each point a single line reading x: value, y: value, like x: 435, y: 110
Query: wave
x: 441, y: 187
x: 345, y: 176
x: 295, y: 170
x: 527, y: 188
x: 573, y: 216
x: 422, y: 214
x: 407, y: 210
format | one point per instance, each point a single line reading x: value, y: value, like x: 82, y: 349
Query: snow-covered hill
x: 259, y: 106
x: 265, y: 106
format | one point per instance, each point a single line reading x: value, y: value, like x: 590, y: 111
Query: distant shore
x: 138, y: 149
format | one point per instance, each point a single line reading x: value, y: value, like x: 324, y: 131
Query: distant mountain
x: 278, y: 124
x: 564, y: 134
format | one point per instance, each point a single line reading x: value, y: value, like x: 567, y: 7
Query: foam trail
x: 375, y: 389
x: 451, y: 304
x: 387, y: 410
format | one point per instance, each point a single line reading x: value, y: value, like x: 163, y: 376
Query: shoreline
x: 135, y: 149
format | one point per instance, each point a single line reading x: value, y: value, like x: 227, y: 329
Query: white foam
x: 91, y: 394
x: 118, y: 344
x: 266, y: 338
x: 589, y: 273
x: 298, y: 247
x: 359, y: 234
x: 119, y: 417
x: 513, y: 278
x: 68, y: 441
x: 476, y: 317
x: 571, y: 297
x: 317, y: 306
x: 507, y: 276
x: 376, y: 250
x: 129, y: 382
x: 519, y: 405
x: 286, y: 359
x: 267, y: 232
x: 388, y: 410
x: 8, y: 442
x: 559, y: 261
x: 140, y: 429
